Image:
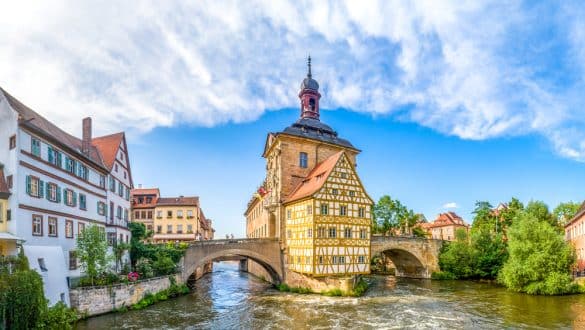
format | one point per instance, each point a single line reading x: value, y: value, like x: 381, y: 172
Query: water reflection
x: 228, y: 299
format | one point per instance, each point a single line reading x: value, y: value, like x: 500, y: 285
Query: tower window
x: 303, y: 160
x: 312, y: 104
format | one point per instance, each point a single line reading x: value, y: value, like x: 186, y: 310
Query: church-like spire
x: 309, y: 95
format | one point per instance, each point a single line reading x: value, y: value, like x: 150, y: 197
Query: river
x: 228, y: 299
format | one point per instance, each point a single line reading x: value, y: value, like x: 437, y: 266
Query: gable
x: 344, y: 180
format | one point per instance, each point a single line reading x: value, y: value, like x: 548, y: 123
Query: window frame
x: 69, y: 227
x: 33, y: 148
x: 303, y: 159
x: 39, y: 224
x: 12, y: 142
x: 52, y: 222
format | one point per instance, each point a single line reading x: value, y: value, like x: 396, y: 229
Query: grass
x: 285, y: 288
x: 150, y: 299
x: 442, y: 276
x: 358, y: 291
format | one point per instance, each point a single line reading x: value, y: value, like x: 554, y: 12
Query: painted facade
x: 445, y: 226
x: 143, y: 202
x: 180, y: 219
x: 292, y: 155
x: 58, y: 186
x: 575, y: 234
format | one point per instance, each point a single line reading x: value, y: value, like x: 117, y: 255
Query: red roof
x: 316, y: 178
x: 145, y: 191
x: 108, y: 147
x: 447, y: 219
x: 178, y: 201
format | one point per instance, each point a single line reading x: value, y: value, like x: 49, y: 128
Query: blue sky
x: 451, y: 101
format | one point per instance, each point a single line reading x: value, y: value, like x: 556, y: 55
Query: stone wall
x: 100, y: 300
x: 257, y: 270
x: 320, y: 284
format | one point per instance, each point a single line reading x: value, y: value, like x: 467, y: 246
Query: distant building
x: 143, y: 204
x: 575, y: 234
x: 52, y: 186
x: 445, y: 226
x: 180, y: 219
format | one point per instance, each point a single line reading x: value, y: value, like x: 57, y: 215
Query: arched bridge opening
x: 265, y: 252
x: 412, y: 257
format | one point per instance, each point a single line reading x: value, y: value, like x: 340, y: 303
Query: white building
x: 58, y: 185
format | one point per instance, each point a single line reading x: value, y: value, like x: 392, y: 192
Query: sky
x: 450, y: 101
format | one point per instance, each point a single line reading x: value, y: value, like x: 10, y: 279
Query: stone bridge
x: 264, y: 251
x: 412, y: 257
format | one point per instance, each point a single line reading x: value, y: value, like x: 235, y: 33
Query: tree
x: 119, y: 250
x: 507, y: 215
x: 540, y: 261
x: 565, y: 212
x: 137, y: 246
x: 92, y: 249
x: 490, y: 253
x: 456, y: 258
x: 541, y: 212
x: 391, y: 214
x: 484, y: 219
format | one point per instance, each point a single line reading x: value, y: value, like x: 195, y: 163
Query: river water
x: 228, y: 299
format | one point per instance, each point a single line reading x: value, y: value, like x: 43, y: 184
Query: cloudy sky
x: 480, y: 73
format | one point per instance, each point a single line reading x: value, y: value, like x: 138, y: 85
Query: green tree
x: 137, y: 247
x: 92, y: 249
x: 484, y: 218
x: 386, y: 213
x: 119, y: 250
x: 507, y: 215
x: 457, y: 257
x: 541, y: 212
x: 540, y: 261
x: 490, y: 253
x: 565, y: 212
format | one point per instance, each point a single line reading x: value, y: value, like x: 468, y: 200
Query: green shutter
x: 51, y: 155
x: 41, y: 188
x: 65, y: 196
x: 28, y: 184
x: 58, y: 194
x: 59, y: 159
x: 74, y: 199
x: 48, y: 195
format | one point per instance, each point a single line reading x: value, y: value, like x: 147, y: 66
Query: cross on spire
x: 309, y: 65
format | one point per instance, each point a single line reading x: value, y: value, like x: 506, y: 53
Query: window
x: 341, y: 260
x: 324, y: 209
x: 72, y: 260
x: 169, y: 229
x: 69, y: 228
x: 149, y: 215
x: 344, y: 175
x: 309, y: 210
x: 102, y: 181
x: 120, y: 189
x: 125, y: 175
x: 37, y: 225
x: 8, y: 215
x: 363, y: 234
x: 149, y: 227
x: 111, y: 239
x: 332, y: 232
x: 69, y: 165
x: 347, y: 232
x: 159, y: 214
x: 351, y: 193
x: 303, y: 160
x: 9, y: 181
x: 116, y: 167
x: 158, y: 229
x: 189, y: 229
x: 82, y: 202
x: 288, y: 214
x: 127, y: 194
x: 42, y: 265
x: 121, y: 156
x: 362, y: 212
x: 52, y: 193
x: 1, y: 214
x: 343, y: 210
x: 179, y: 229
x: 126, y: 215
x: 320, y: 260
x: 335, y: 192
x: 180, y: 214
x: 169, y: 214
x: 119, y: 212
x: 142, y: 215
x: 35, y: 147
x: 101, y: 206
x: 70, y: 197
x: 12, y: 142
x: 112, y: 184
x: 288, y: 233
x: 52, y: 227
x: 54, y: 156
x: 310, y: 233
x: 334, y: 260
x: 136, y: 214
x: 80, y: 228
x: 34, y: 186
x: 361, y: 259
x: 82, y: 171
x: 148, y: 200
x: 321, y: 232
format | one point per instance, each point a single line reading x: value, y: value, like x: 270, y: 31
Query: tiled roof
x: 4, y: 191
x: 145, y: 191
x: 108, y: 147
x: 316, y: 178
x: 447, y: 219
x: 178, y: 201
x: 36, y: 122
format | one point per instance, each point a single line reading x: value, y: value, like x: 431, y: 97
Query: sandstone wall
x: 320, y: 284
x: 100, y: 300
x: 257, y: 270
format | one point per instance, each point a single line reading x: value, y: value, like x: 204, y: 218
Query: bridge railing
x: 232, y: 241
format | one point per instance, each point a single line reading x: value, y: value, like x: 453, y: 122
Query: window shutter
x: 47, y: 185
x: 65, y: 196
x: 58, y: 194
x: 105, y: 208
x: 28, y: 179
x: 51, y: 155
x: 98, y: 208
x: 59, y: 159
x: 74, y: 198
x: 41, y: 188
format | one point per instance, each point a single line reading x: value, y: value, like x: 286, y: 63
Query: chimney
x: 140, y: 186
x: 86, y: 136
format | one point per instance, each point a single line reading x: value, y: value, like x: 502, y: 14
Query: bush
x: 58, y: 317
x: 443, y: 276
x: 333, y: 293
x: 144, y: 268
x: 164, y: 265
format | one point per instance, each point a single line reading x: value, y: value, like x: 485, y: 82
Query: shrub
x: 443, y: 276
x: 164, y: 265
x: 58, y: 317
x: 333, y: 293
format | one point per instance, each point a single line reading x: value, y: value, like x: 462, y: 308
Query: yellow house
x: 7, y: 240
x: 178, y: 219
x: 328, y: 221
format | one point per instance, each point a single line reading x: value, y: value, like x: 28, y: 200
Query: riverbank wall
x: 91, y: 301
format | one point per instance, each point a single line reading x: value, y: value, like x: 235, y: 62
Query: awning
x: 10, y: 237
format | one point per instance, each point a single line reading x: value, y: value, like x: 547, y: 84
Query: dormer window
x: 303, y: 160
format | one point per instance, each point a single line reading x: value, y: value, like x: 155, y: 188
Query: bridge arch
x: 265, y: 252
x: 412, y: 257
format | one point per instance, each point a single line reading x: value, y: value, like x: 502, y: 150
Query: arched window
x: 312, y: 104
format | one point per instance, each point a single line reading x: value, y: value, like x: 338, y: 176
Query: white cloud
x: 451, y: 205
x: 474, y: 70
